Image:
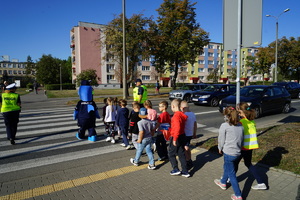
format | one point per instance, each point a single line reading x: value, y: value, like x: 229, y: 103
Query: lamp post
x: 124, y: 53
x: 60, y: 79
x: 276, y: 42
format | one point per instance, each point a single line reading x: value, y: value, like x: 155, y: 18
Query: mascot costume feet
x: 86, y: 112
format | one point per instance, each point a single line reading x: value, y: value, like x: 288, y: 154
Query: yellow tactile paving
x: 75, y: 182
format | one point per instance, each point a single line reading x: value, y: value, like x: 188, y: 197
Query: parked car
x: 186, y: 91
x: 261, y: 98
x: 292, y: 87
x: 213, y: 94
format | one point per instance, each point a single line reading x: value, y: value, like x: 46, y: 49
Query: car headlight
x: 204, y: 96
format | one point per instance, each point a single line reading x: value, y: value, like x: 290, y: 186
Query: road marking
x: 76, y: 182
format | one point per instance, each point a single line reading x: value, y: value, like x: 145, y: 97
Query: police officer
x: 140, y: 93
x: 10, y: 109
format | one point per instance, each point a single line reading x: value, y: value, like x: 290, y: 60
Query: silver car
x: 186, y: 91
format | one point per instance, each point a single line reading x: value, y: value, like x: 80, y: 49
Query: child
x: 230, y: 141
x: 144, y: 141
x: 177, y: 140
x: 133, y: 127
x: 86, y: 112
x: 103, y: 116
x: 110, y: 118
x: 250, y: 142
x: 122, y: 122
x: 190, y: 130
x: 152, y: 116
x: 117, y: 104
x: 163, y: 119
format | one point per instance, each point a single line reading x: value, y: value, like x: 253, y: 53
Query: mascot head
x: 85, y: 91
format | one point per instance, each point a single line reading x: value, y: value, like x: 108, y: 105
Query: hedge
x: 65, y: 86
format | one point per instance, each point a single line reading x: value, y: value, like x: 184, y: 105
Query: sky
x: 37, y: 27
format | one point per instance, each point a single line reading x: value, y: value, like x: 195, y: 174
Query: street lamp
x: 276, y: 43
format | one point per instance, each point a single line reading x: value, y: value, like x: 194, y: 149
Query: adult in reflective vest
x: 10, y: 109
x: 140, y: 93
x: 250, y: 142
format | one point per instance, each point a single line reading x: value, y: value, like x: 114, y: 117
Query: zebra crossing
x: 47, y: 136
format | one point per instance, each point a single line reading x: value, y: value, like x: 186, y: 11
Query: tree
x: 137, y: 47
x: 214, y: 75
x: 179, y: 38
x: 261, y: 63
x: 48, y: 70
x: 89, y: 74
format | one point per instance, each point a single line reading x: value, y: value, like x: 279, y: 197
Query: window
x: 0, y: 71
x: 229, y: 55
x: 277, y: 91
x: 210, y: 54
x: 15, y: 71
x: 210, y: 70
x: 110, y: 67
x: 9, y: 66
x: 201, y: 77
x: 145, y: 77
x: 183, y: 77
x: 184, y: 69
x: 9, y: 71
x: 202, y: 54
x: 110, y: 77
x: 210, y: 62
x: 229, y: 63
x: 192, y: 72
x: 200, y: 69
x: 218, y: 47
x: 249, y: 50
x: 146, y: 68
x: 201, y: 62
x: 19, y: 72
x: 210, y: 46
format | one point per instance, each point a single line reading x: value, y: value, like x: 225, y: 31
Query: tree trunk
x: 175, y: 74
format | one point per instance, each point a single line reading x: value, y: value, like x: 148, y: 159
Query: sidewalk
x: 112, y: 176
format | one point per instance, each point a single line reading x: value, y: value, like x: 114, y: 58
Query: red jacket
x: 177, y: 124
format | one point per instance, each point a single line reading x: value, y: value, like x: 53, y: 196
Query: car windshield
x: 252, y: 91
x: 188, y: 87
x: 212, y: 88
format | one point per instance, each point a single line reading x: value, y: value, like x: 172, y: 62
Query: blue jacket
x: 123, y: 117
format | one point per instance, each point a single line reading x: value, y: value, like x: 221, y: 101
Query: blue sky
x: 37, y: 27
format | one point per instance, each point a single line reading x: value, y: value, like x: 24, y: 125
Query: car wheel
x: 187, y: 98
x: 257, y: 112
x: 286, y: 108
x: 214, y: 102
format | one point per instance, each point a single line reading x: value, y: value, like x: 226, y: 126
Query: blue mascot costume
x: 86, y: 112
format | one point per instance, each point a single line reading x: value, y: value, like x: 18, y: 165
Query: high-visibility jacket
x: 9, y: 102
x: 144, y: 95
x: 250, y: 137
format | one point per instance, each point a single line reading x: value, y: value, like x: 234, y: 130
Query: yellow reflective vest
x: 136, y: 96
x: 250, y: 137
x: 9, y: 102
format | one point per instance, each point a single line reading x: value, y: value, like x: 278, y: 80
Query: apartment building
x: 87, y: 53
x: 11, y: 70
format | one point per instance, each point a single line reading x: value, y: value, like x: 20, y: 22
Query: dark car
x: 261, y: 98
x: 186, y: 91
x: 292, y: 87
x: 213, y: 94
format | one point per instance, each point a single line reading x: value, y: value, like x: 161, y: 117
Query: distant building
x: 88, y: 54
x: 12, y: 70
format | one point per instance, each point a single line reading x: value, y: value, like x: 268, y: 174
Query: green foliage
x: 48, y: 70
x: 89, y: 74
x: 261, y: 83
x: 29, y: 86
x: 214, y: 75
x: 65, y: 86
x: 177, y: 37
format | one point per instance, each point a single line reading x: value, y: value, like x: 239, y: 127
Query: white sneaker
x: 113, y: 141
x: 260, y: 186
x: 123, y: 145
x: 128, y: 147
x: 107, y: 139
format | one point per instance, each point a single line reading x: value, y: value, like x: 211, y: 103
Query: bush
x: 29, y: 86
x: 65, y: 86
x: 261, y: 83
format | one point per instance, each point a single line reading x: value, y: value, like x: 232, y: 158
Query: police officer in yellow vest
x: 140, y: 93
x: 10, y: 109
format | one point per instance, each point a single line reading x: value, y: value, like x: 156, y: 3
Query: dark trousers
x: 247, y: 156
x: 161, y: 146
x: 82, y: 129
x: 178, y: 150
x: 11, y: 120
x: 124, y: 132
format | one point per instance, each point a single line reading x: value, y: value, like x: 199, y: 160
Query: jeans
x: 247, y: 156
x: 146, y: 144
x: 230, y: 173
x: 124, y: 131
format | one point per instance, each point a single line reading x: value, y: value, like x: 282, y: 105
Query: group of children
x: 237, y: 136
x: 237, y: 139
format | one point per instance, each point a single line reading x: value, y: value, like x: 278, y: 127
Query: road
x: 47, y: 144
